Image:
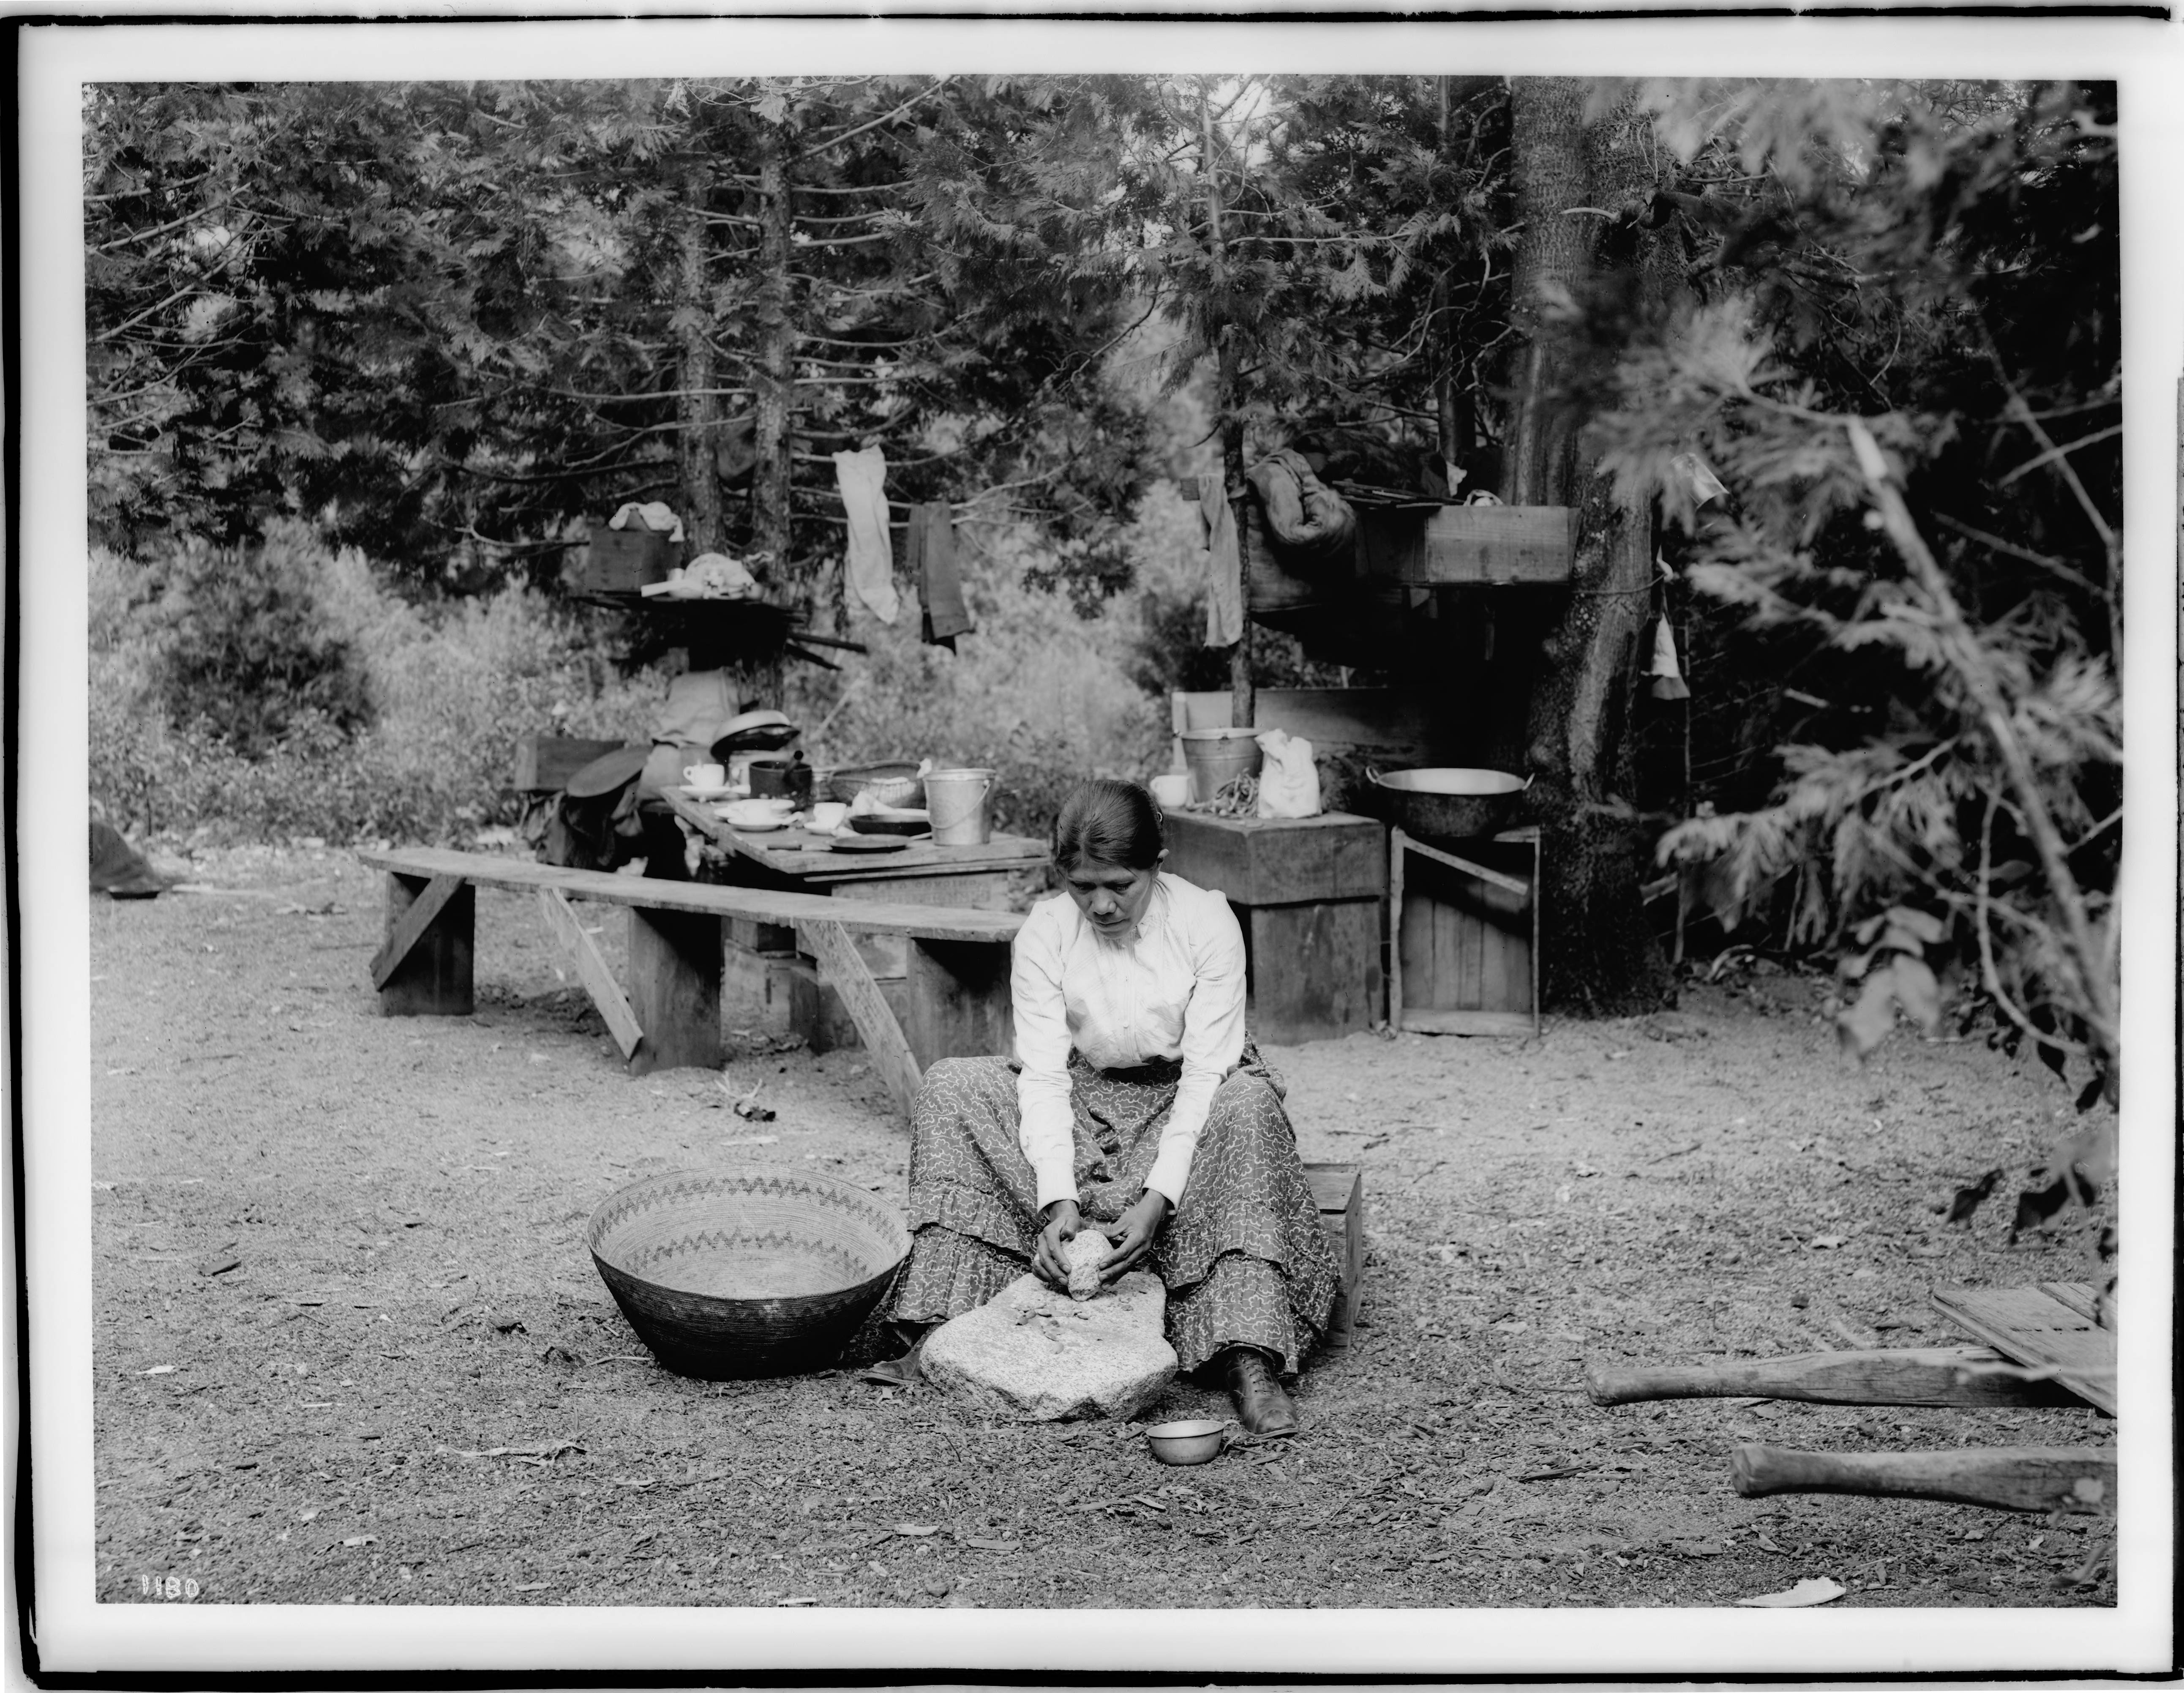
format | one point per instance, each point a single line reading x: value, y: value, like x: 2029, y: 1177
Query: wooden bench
x: 957, y: 976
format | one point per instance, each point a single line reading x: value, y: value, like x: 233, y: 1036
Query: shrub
x: 242, y: 646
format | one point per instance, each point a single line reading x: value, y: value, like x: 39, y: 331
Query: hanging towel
x: 930, y: 548
x: 871, y: 565
x: 1224, y: 564
x: 655, y: 515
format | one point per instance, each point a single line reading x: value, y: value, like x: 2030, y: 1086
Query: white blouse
x: 1172, y: 987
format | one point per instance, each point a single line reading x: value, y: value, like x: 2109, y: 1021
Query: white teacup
x: 827, y: 814
x: 705, y: 775
x: 1172, y: 789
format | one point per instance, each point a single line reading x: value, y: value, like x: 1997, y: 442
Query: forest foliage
x: 443, y: 324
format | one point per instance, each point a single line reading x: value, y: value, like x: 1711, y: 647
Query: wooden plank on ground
x: 763, y: 905
x: 1420, y: 1021
x: 841, y: 968
x: 412, y: 924
x: 592, y: 970
x: 1908, y: 1374
x: 2006, y: 1477
x: 2028, y: 1326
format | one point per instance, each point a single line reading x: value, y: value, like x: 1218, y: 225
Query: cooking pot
x: 1448, y: 801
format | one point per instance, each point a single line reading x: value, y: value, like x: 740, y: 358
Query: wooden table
x: 788, y: 990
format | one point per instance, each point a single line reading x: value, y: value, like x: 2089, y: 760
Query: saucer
x: 720, y: 790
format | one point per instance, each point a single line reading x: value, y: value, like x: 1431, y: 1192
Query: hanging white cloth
x: 871, y: 564
x: 1668, y: 682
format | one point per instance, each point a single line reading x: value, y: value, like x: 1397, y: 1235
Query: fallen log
x: 1918, y: 1375
x: 2006, y: 1477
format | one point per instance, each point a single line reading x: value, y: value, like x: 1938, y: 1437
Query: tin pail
x: 956, y: 802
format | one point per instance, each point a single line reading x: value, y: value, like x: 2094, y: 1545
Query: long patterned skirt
x: 1243, y: 1257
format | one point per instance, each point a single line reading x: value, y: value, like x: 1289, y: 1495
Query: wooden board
x: 1339, y: 1191
x: 1908, y: 1374
x: 593, y: 971
x: 432, y: 975
x: 1313, y: 970
x: 959, y: 1005
x: 407, y: 928
x: 1463, y: 943
x: 843, y: 970
x: 1280, y: 860
x: 675, y: 989
x: 2006, y: 1477
x: 1492, y: 545
x: 544, y: 763
x: 2034, y: 1327
x: 764, y: 905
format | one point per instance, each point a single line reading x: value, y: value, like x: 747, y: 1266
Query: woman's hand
x: 1137, y: 1229
x: 1062, y: 1223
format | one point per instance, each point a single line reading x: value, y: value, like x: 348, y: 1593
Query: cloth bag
x: 1288, y: 779
x: 1307, y: 522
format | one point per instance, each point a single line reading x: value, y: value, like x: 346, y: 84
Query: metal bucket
x: 957, y: 803
x: 1216, y: 757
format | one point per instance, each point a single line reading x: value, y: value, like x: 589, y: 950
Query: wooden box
x: 1279, y: 860
x: 1338, y: 1191
x: 1455, y: 545
x: 1464, y: 931
x: 622, y: 561
x: 544, y: 763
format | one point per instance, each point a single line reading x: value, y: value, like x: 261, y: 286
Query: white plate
x: 745, y: 826
x: 720, y: 792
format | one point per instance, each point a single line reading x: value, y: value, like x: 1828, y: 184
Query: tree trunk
x: 1243, y: 693
x: 773, y: 374
x: 696, y: 408
x: 1601, y: 955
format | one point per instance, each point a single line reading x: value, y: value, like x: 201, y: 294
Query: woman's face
x: 1111, y: 896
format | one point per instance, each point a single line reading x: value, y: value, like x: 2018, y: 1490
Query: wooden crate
x: 1457, y: 545
x: 1279, y: 860
x: 1463, y: 930
x: 622, y: 561
x: 544, y: 763
x: 1338, y: 1191
x: 2050, y: 1326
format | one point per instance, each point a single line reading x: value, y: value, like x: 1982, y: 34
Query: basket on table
x: 758, y: 1272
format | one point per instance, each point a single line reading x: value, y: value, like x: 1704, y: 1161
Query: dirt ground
x: 350, y: 1348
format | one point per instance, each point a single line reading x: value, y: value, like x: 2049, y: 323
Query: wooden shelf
x: 1461, y: 545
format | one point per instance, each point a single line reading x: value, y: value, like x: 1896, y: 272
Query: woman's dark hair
x: 1108, y: 821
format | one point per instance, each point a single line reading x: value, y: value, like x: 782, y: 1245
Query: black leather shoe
x: 1261, y: 1406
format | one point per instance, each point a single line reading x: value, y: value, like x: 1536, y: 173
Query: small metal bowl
x: 1199, y: 1441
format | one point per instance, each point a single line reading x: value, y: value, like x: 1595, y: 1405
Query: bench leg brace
x: 424, y: 968
x: 592, y: 970
x: 841, y: 968
x: 675, y: 989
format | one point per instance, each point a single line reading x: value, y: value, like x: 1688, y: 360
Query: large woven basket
x: 758, y: 1272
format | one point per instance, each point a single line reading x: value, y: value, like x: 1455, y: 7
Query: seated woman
x: 1135, y: 1102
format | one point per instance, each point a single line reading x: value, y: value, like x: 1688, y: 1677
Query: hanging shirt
x: 929, y: 550
x: 1172, y: 988
x: 1224, y: 564
x: 871, y: 563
